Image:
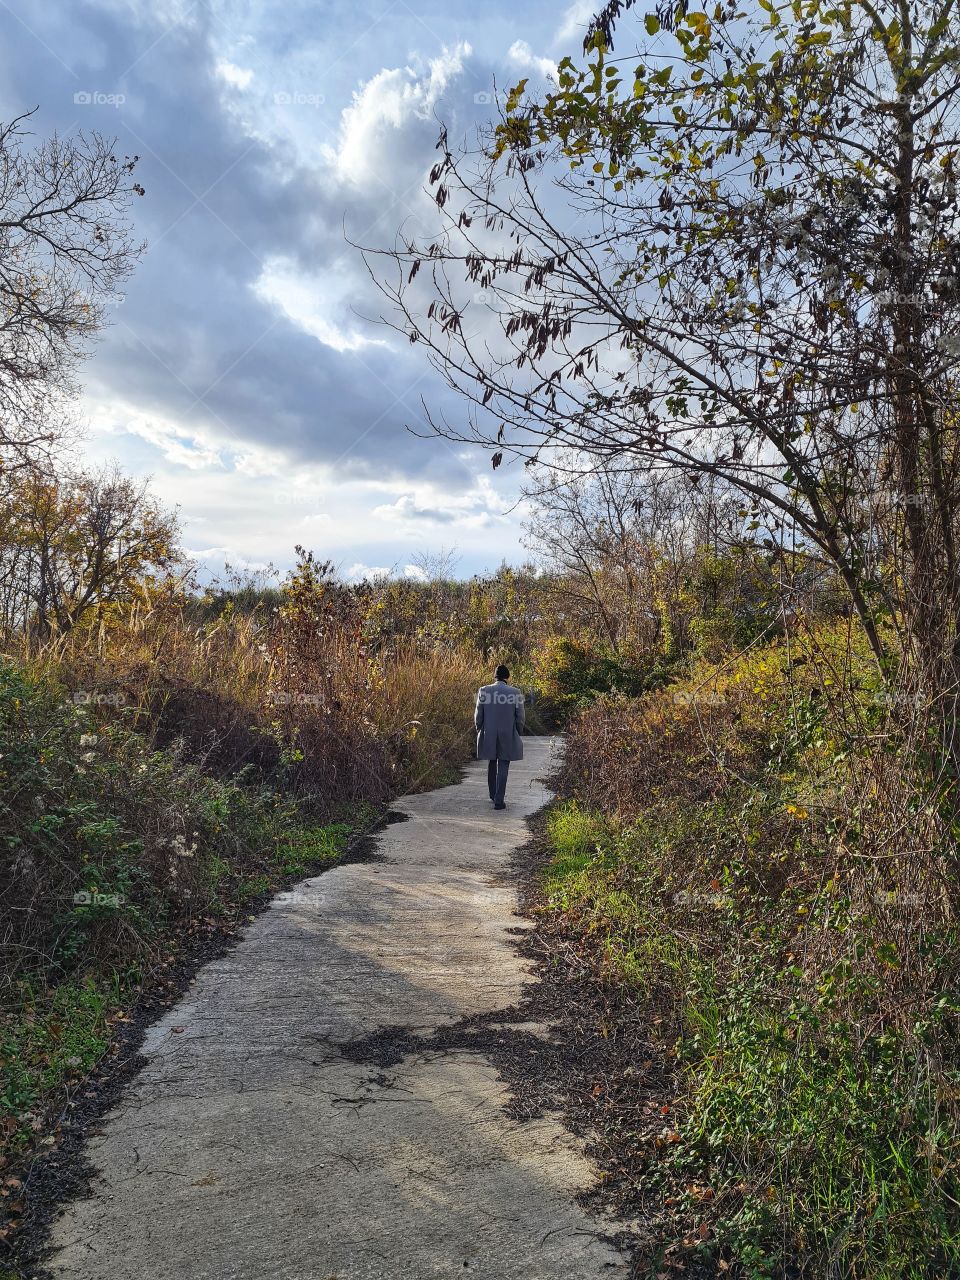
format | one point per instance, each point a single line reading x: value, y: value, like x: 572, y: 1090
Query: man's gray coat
x: 499, y: 718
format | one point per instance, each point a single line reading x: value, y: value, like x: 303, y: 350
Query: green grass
x: 577, y: 838
x: 303, y: 848
x: 828, y: 1140
x: 51, y: 1038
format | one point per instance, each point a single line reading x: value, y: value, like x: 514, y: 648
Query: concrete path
x: 267, y: 1138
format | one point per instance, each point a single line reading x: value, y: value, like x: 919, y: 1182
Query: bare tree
x: 436, y: 566
x: 629, y: 553
x: 599, y: 534
x: 65, y: 248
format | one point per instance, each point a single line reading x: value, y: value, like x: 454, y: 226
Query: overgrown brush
x: 304, y: 695
x: 772, y: 873
x: 162, y: 764
x: 104, y: 838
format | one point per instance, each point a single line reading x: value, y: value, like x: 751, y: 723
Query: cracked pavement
x: 266, y: 1139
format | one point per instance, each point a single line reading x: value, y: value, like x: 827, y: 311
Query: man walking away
x: 499, y: 720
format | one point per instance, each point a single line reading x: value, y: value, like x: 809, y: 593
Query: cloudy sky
x: 239, y: 370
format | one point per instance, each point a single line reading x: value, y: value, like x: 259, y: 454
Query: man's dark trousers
x: 497, y: 771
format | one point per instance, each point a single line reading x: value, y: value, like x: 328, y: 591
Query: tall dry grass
x: 303, y: 695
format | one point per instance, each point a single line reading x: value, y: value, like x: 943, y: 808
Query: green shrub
x: 104, y: 841
x: 571, y: 673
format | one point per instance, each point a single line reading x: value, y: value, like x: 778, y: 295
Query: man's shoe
x: 500, y: 806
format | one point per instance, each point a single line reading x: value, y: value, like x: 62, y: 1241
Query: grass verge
x: 807, y: 1137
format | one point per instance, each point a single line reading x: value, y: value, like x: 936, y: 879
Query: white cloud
x: 387, y: 102
x: 216, y: 557
x: 198, y: 448
x: 254, y: 465
x: 357, y: 572
x: 259, y: 460
x: 521, y: 55
x: 575, y: 21
x: 309, y: 301
x: 236, y: 77
x: 476, y: 508
x: 185, y: 446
